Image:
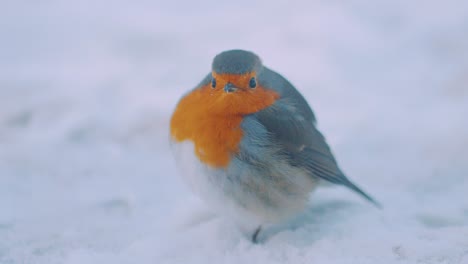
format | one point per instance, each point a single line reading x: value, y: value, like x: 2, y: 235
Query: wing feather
x: 291, y: 123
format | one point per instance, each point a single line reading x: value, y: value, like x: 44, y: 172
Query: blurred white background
x: 87, y: 89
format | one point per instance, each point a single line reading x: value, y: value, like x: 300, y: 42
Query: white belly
x: 243, y: 194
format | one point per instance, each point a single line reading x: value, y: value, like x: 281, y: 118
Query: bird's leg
x: 255, y: 234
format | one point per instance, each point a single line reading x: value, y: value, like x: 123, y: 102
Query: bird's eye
x: 253, y: 82
x: 213, y: 83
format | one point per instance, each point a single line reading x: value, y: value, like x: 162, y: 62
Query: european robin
x: 248, y: 145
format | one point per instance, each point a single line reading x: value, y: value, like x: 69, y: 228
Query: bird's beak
x: 229, y: 88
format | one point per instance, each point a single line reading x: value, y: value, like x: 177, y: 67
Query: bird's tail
x: 323, y: 165
x: 358, y: 190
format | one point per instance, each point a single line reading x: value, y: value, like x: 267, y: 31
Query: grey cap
x: 236, y: 62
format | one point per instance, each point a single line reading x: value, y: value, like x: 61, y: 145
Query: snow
x: 87, y: 89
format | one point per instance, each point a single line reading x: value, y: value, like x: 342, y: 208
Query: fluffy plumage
x: 256, y: 152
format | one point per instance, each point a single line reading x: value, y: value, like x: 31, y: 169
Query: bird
x: 247, y: 144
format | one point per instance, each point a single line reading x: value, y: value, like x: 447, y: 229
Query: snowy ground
x: 87, y: 89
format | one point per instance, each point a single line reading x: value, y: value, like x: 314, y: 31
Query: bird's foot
x: 255, y: 235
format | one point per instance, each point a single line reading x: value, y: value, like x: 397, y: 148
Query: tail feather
x: 323, y: 165
x: 358, y: 190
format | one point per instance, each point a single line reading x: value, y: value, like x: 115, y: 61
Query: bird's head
x: 234, y: 88
x: 235, y: 71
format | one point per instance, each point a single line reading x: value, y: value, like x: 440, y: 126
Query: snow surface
x: 87, y: 89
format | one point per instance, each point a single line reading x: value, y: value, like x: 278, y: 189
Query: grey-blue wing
x: 289, y: 124
x: 324, y: 167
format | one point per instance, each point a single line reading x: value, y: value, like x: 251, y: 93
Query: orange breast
x: 211, y: 119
